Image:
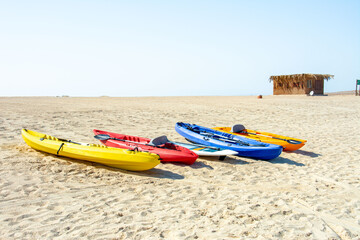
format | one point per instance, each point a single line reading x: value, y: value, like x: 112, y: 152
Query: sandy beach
x: 312, y: 193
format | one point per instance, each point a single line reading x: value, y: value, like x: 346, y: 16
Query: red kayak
x: 167, y: 151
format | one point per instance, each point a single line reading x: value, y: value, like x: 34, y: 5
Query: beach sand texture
x: 313, y: 193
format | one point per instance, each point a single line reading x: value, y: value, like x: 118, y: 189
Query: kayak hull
x: 206, y: 151
x: 168, y: 152
x: 118, y: 158
x: 210, y: 137
x: 267, y: 138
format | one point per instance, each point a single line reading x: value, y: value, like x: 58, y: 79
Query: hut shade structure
x: 299, y: 83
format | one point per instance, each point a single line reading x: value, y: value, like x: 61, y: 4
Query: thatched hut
x: 299, y: 83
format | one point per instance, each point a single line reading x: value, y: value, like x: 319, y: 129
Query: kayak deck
x: 288, y: 143
x: 244, y: 146
x: 168, y: 151
x: 114, y: 157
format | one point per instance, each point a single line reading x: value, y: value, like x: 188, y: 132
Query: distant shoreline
x: 342, y: 93
x: 104, y: 96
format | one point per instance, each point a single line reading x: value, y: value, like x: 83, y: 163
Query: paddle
x: 69, y: 141
x: 291, y: 141
x: 108, y: 137
x: 212, y: 135
x: 224, y: 139
x: 105, y: 137
x: 219, y: 137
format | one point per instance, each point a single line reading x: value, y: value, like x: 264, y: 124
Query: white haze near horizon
x: 174, y: 48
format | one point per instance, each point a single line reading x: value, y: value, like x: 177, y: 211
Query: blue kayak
x: 244, y: 146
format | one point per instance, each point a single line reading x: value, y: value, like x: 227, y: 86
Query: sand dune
x: 312, y: 193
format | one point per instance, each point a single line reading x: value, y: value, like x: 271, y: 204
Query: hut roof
x: 299, y: 77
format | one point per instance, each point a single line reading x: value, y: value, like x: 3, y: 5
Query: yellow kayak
x: 288, y: 143
x: 114, y: 157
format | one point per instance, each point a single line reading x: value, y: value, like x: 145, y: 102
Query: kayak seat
x: 159, y: 141
x: 237, y: 128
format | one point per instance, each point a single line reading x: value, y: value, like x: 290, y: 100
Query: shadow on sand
x: 198, y: 165
x: 282, y: 160
x: 305, y: 153
x: 195, y: 165
x: 228, y: 159
x: 278, y: 160
x: 238, y: 161
x: 155, y: 172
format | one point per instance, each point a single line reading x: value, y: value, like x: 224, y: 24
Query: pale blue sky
x: 174, y: 48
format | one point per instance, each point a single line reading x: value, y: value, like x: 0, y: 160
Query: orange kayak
x: 288, y: 143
